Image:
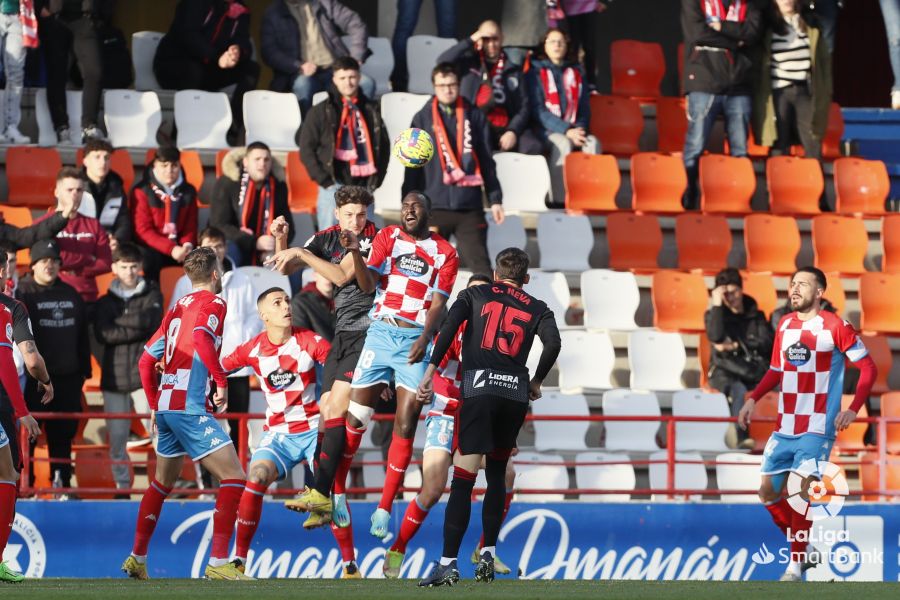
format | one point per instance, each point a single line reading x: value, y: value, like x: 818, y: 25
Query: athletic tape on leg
x: 361, y: 413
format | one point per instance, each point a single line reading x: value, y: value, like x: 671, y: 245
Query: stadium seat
x: 92, y: 470
x: 551, y: 477
x: 586, y: 361
x: 727, y: 184
x: 20, y: 216
x: 143, y: 49
x: 880, y: 351
x: 192, y: 167
x: 387, y: 195
x: 462, y: 279
x: 658, y: 182
x: 303, y: 192
x: 880, y: 311
x: 560, y: 435
x: 835, y: 292
x: 850, y: 440
x: 132, y: 118
x: 220, y: 156
x: 743, y: 476
x: 273, y: 118
x: 564, y: 241
x: 373, y: 474
x: 671, y: 124
x: 592, y: 182
x: 103, y: 282
x: 679, y: 301
x: 890, y: 244
x: 121, y: 163
x: 795, y: 185
x: 525, y: 181
x: 761, y: 288
x: 168, y: 277
x: 840, y: 244
x: 422, y: 52
x: 637, y: 68
x: 534, y: 356
x: 617, y: 122
x: 304, y: 227
x: 705, y: 437
x: 399, y: 108
x: 379, y: 64
x: 689, y: 475
x: 637, y: 436
x: 610, y: 298
x: 834, y: 131
x: 511, y: 234
x: 553, y: 289
x: 870, y: 476
x: 771, y: 243
x: 760, y: 431
x: 31, y: 176
x: 703, y: 355
x: 319, y: 97
x: 703, y: 241
x: 634, y: 242
x: 262, y: 279
x: 656, y: 360
x: 202, y: 119
x: 861, y: 186
x: 890, y: 407
x: 618, y: 476
x: 46, y: 131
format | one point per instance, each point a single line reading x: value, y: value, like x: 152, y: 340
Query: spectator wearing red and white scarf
x: 560, y: 101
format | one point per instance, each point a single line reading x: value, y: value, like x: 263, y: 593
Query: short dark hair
x: 512, y: 264
x: 7, y: 247
x: 97, y: 145
x: 200, y: 265
x: 817, y: 273
x: 422, y: 196
x: 257, y: 146
x: 266, y: 293
x: 211, y: 233
x: 444, y: 68
x: 479, y: 277
x: 345, y: 63
x: 352, y: 194
x: 68, y: 173
x: 570, y: 47
x: 729, y: 276
x: 127, y: 252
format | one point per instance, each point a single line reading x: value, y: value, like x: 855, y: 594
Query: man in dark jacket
x: 124, y: 319
x: 105, y: 191
x: 717, y: 76
x: 344, y: 141
x: 313, y: 307
x: 495, y: 85
x: 58, y: 318
x: 741, y: 340
x: 302, y: 38
x: 453, y: 179
x: 45, y: 229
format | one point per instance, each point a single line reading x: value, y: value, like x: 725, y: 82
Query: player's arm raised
x: 548, y: 332
x: 365, y: 275
x: 285, y: 260
x: 339, y: 275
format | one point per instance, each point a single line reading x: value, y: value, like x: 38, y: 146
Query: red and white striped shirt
x: 287, y: 376
x: 448, y: 379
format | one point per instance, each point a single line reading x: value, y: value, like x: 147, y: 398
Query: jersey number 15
x: 503, y: 330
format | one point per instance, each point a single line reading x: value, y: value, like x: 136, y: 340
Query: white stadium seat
x: 319, y: 97
x: 202, y: 119
x: 525, y: 181
x: 273, y: 118
x: 631, y: 435
x: 46, y: 131
x: 688, y: 476
x: 462, y: 278
x: 541, y: 477
x: 604, y: 477
x: 132, y: 118
x: 255, y: 426
x: 535, y: 355
x: 656, y: 360
x: 560, y: 435
x: 387, y: 196
x: 379, y: 64
x: 511, y: 234
x: 422, y: 52
x: 262, y: 279
x: 745, y: 476
x: 553, y: 289
x: 373, y: 475
x: 398, y: 110
x: 611, y: 299
x: 585, y: 361
x: 707, y: 437
x: 143, y: 49
x: 304, y: 228
x: 565, y: 241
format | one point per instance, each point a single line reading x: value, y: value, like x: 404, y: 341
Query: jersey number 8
x: 172, y: 338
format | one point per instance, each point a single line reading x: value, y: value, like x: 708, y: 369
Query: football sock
x: 494, y: 499
x: 330, y: 454
x: 412, y: 519
x: 148, y: 515
x: 344, y: 538
x: 446, y: 561
x: 509, y: 497
x: 399, y: 455
x: 781, y: 513
x: 8, y: 495
x: 249, y: 510
x: 230, y: 492
x: 492, y: 550
x: 459, y: 509
x: 799, y: 523
x: 352, y: 439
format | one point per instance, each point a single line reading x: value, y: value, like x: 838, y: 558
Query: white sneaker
x: 3, y: 139
x: 895, y: 99
x: 15, y: 136
x: 92, y: 132
x: 64, y: 136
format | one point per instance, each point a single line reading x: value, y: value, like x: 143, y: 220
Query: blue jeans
x: 305, y: 87
x: 703, y: 109
x: 890, y: 11
x: 407, y: 18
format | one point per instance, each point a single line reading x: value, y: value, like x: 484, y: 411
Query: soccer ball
x: 413, y: 148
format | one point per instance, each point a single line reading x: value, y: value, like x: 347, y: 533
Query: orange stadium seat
x: 870, y: 472
x: 880, y: 311
x: 103, y: 282
x: 760, y: 431
x: 20, y: 216
x: 592, y: 182
x: 671, y: 124
x: 772, y: 243
x: 850, y: 440
x: 220, y: 156
x: 703, y: 241
x: 834, y: 131
x: 617, y: 122
x: 634, y: 241
x: 658, y: 182
x: 637, y: 68
x: 754, y: 150
x: 840, y: 244
x: 679, y: 301
x: 861, y: 186
x: 704, y: 349
x: 835, y: 292
x: 795, y: 185
x: 31, y: 175
x: 890, y: 407
x: 761, y: 288
x: 93, y: 471
x: 727, y: 184
x: 168, y: 277
x: 302, y: 191
x: 890, y: 243
x: 120, y: 162
x: 192, y: 167
x: 880, y: 351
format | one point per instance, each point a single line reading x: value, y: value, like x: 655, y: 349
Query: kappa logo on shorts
x: 281, y: 379
x: 411, y: 265
x: 798, y: 354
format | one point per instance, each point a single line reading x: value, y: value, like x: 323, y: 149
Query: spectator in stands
x: 741, y: 340
x: 792, y: 96
x: 454, y: 178
x: 208, y: 48
x: 890, y: 12
x: 59, y: 321
x: 105, y: 196
x: 407, y: 19
x: 580, y: 23
x: 165, y: 213
x: 242, y: 320
x: 13, y: 45
x: 493, y: 84
x: 344, y: 141
x: 560, y: 101
x: 313, y: 307
x: 124, y: 319
x: 249, y: 195
x: 42, y: 229
x: 827, y: 12
x: 68, y: 29
x: 82, y: 243
x: 301, y: 39
x: 523, y: 23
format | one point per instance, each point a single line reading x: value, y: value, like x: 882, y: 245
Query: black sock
x: 330, y: 455
x: 494, y: 500
x: 459, y: 508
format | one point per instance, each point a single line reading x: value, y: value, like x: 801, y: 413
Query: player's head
x: 414, y: 213
x: 167, y: 165
x: 445, y: 80
x: 274, y: 306
x: 97, y: 157
x: 512, y: 266
x: 351, y: 205
x: 4, y: 268
x: 345, y: 76
x: 806, y: 289
x: 478, y: 279
x: 212, y: 237
x: 45, y: 262
x: 69, y: 188
x: 127, y: 263
x: 8, y: 250
x: 732, y: 285
x: 202, y: 268
x: 258, y: 161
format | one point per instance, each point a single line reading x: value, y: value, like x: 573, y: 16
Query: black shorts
x: 8, y: 421
x: 341, y: 362
x: 488, y: 423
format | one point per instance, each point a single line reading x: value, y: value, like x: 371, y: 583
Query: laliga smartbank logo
x: 810, y: 483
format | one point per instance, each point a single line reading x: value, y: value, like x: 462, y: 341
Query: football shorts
x: 440, y: 433
x: 386, y: 353
x: 785, y: 453
x: 194, y: 435
x: 287, y: 450
x: 341, y: 362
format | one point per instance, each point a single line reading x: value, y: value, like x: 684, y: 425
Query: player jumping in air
x: 808, y: 363
x: 188, y: 342
x: 501, y: 323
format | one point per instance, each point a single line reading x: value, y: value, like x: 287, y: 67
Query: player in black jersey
x: 501, y: 323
